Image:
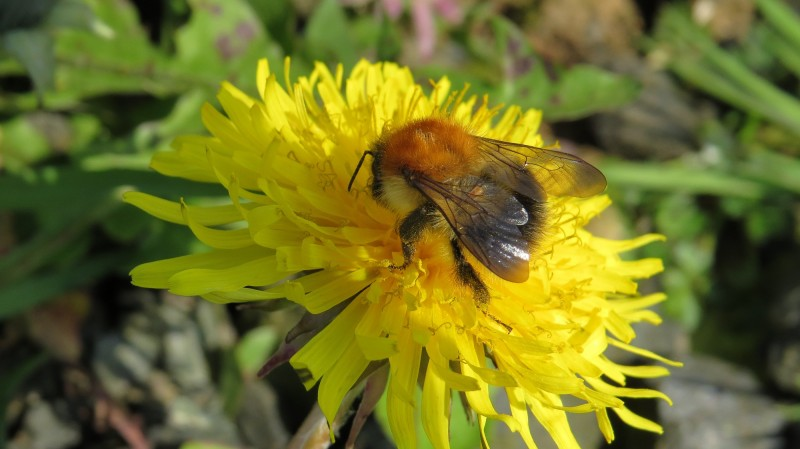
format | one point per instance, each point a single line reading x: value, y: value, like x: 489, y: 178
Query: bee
x: 487, y: 194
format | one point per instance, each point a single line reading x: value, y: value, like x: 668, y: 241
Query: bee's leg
x: 467, y: 274
x: 411, y: 228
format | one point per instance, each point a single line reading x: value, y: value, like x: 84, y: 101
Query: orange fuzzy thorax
x: 438, y: 148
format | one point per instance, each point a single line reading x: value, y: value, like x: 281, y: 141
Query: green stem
x: 786, y: 53
x: 670, y: 178
x: 720, y: 87
x: 39, y: 251
x: 692, y: 47
x: 782, y: 18
x: 771, y: 168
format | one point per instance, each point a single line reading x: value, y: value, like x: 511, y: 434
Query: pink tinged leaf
x: 376, y: 384
x: 450, y: 10
x: 281, y: 356
x: 308, y: 326
x: 393, y: 8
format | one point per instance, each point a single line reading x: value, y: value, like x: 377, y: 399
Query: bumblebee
x: 488, y: 195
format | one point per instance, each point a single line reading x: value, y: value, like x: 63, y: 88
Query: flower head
x: 293, y: 230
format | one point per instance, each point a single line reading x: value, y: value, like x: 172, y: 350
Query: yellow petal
x: 370, y: 337
x: 171, y: 211
x: 519, y: 411
x: 634, y: 420
x: 555, y: 422
x: 262, y: 73
x: 643, y: 352
x: 400, y: 404
x: 217, y: 238
x: 198, y: 281
x: 338, y: 380
x: 157, y: 274
x: 326, y: 296
x: 436, y: 409
x: 603, y: 387
x: 605, y: 424
x: 243, y: 295
x: 320, y: 354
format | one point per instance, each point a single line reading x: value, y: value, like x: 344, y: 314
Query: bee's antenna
x: 358, y: 167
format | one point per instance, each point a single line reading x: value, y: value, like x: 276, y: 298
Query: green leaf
x: 691, y: 53
x: 30, y: 291
x: 125, y: 224
x: 279, y: 20
x: 254, y: 348
x: 33, y: 48
x: 678, y: 217
x: 57, y: 187
x: 767, y: 221
x: 22, y: 145
x: 62, y: 235
x: 576, y: 92
x: 63, y: 231
x: 773, y: 169
x: 222, y: 40
x: 16, y: 14
x: 783, y: 18
x: 664, y: 177
x: 583, y: 90
x: 76, y: 14
x: 682, y: 303
x: 121, y: 61
x: 388, y: 42
x: 328, y: 35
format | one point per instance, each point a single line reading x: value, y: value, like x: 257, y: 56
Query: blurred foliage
x: 125, y: 88
x: 91, y: 89
x: 730, y: 252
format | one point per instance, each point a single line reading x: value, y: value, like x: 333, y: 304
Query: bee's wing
x: 554, y: 172
x: 485, y: 219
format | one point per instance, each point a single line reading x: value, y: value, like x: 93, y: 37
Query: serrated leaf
x: 223, y: 40
x: 33, y: 48
x: 124, y: 62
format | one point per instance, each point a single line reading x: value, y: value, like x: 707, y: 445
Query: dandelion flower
x: 293, y: 230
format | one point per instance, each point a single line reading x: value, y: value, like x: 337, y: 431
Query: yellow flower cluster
x: 292, y: 230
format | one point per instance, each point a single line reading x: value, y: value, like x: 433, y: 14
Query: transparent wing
x: 485, y: 219
x: 536, y: 172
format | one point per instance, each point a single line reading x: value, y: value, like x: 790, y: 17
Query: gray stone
x: 43, y: 428
x: 717, y: 406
